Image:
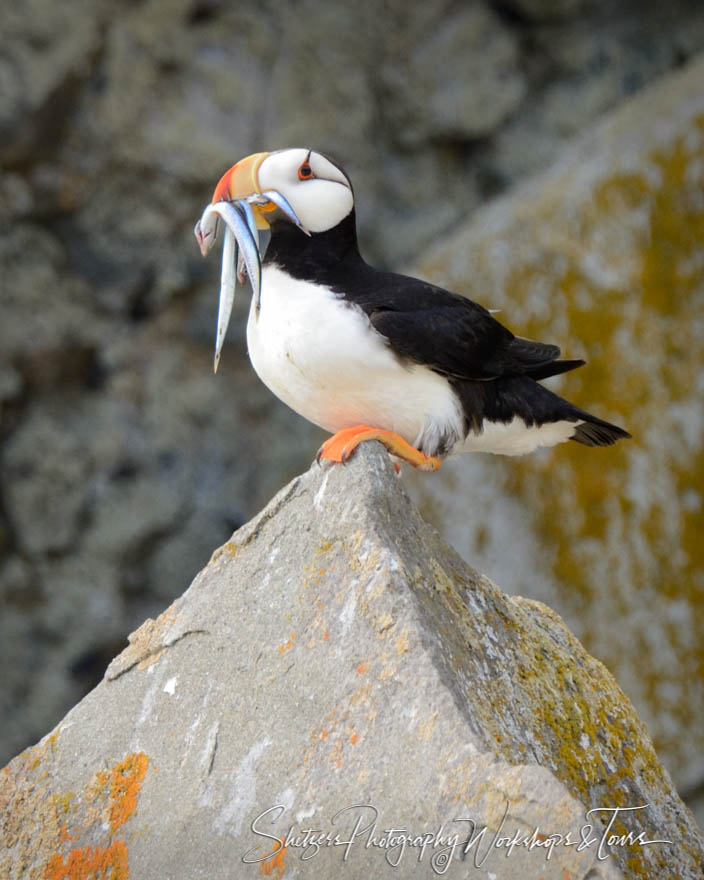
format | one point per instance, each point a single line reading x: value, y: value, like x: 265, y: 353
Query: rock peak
x: 337, y: 667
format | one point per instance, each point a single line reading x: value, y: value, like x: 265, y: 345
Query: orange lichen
x: 64, y: 822
x: 274, y: 867
x: 66, y: 836
x: 126, y: 782
x: 90, y: 863
x: 288, y: 645
x: 362, y: 668
x: 354, y: 738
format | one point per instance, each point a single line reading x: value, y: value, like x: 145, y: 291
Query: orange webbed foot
x: 341, y: 447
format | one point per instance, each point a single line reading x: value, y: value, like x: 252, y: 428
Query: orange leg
x: 341, y: 446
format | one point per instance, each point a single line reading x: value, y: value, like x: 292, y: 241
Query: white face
x: 317, y: 190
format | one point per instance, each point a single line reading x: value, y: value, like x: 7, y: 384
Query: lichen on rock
x: 343, y: 654
x: 602, y: 255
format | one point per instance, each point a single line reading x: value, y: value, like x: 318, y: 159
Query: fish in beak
x: 241, y: 205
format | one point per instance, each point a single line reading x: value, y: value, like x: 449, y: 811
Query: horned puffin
x: 369, y: 354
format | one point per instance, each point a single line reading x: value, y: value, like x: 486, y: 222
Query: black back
x: 420, y: 322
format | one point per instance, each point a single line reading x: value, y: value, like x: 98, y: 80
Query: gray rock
x: 337, y: 665
x: 188, y: 94
x: 46, y: 508
x: 46, y: 51
x: 485, y: 88
x: 600, y: 255
x: 542, y: 10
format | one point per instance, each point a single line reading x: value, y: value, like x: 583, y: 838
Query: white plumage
x: 323, y: 358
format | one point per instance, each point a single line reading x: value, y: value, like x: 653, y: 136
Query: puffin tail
x: 592, y: 431
x: 554, y: 368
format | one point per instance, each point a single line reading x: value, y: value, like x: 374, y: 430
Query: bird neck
x: 316, y: 257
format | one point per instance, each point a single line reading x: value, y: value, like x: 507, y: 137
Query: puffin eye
x: 305, y: 172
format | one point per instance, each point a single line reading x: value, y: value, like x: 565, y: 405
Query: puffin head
x: 317, y: 190
x: 283, y: 189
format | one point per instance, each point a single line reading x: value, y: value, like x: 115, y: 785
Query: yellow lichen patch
x: 31, y: 820
x: 45, y: 828
x: 125, y: 784
x: 567, y: 707
x: 361, y: 694
x: 425, y: 728
x: 151, y: 659
x: 145, y: 644
x: 402, y: 642
x: 229, y: 549
x: 35, y: 756
x: 622, y: 526
x: 315, y: 572
x: 611, y: 267
x: 62, y: 803
x: 384, y: 623
x: 389, y: 668
x: 90, y: 863
x: 97, y: 788
x: 596, y: 743
x: 49, y: 823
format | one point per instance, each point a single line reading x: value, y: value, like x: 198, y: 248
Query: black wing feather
x: 444, y: 331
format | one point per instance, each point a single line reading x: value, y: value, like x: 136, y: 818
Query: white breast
x: 323, y: 358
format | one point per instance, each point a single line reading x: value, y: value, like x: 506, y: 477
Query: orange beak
x: 240, y: 182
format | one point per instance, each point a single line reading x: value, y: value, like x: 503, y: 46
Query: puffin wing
x: 451, y: 334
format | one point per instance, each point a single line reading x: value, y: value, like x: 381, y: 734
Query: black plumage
x: 494, y: 374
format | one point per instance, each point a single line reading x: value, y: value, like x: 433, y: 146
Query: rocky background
x: 123, y: 461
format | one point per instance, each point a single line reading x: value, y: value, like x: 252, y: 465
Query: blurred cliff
x: 124, y: 462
